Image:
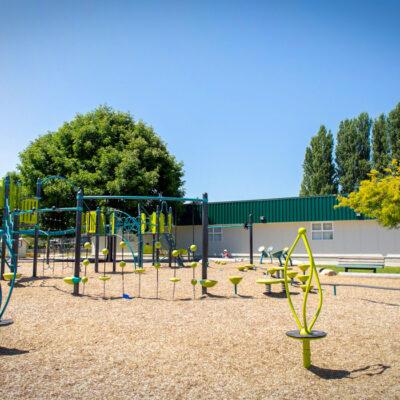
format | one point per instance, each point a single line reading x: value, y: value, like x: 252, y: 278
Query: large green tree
x: 353, y: 152
x: 393, y: 126
x: 318, y: 168
x: 380, y: 144
x: 104, y: 152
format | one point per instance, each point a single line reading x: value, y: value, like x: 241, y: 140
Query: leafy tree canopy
x: 104, y: 152
x: 353, y: 152
x: 378, y: 197
x: 319, y: 176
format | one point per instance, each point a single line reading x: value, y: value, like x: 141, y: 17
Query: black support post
x: 35, y: 251
x: 97, y: 241
x: 251, y: 237
x: 48, y: 250
x: 158, y: 233
x: 204, y: 264
x: 140, y: 240
x: 170, y: 240
x: 114, y: 253
x: 78, y: 236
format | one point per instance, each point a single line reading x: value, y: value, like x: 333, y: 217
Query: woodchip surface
x: 219, y: 347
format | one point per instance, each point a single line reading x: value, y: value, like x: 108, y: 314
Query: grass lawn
x: 386, y: 270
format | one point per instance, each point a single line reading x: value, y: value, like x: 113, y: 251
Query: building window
x: 215, y: 234
x: 322, y: 231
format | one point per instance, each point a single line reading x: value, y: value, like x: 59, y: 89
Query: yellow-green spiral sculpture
x: 305, y: 333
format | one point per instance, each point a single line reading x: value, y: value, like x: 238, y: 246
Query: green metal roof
x: 290, y: 209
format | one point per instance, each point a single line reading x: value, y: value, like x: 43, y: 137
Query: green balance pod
x: 71, y: 280
x: 8, y: 276
x: 208, y: 283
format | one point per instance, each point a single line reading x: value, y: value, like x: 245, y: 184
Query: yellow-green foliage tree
x: 378, y: 196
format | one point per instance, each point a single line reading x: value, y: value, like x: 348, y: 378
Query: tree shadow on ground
x: 331, y: 374
x: 4, y: 351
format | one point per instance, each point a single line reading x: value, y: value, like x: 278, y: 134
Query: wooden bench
x: 372, y: 265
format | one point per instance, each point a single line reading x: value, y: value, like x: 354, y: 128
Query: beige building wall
x: 361, y: 239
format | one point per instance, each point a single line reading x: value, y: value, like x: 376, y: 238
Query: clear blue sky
x: 235, y: 88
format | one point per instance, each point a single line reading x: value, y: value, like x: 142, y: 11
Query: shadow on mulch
x: 279, y: 295
x: 4, y: 351
x: 330, y: 374
x: 381, y: 302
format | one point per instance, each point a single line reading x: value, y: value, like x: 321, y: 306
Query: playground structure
x: 111, y: 223
x: 117, y: 224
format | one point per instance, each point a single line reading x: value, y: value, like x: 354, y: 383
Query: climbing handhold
x: 85, y: 262
x: 122, y: 264
x: 193, y: 248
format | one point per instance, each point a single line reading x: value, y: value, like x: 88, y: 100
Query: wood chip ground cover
x: 218, y: 347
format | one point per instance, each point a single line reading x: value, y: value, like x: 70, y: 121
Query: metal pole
x: 169, y: 243
x: 251, y: 237
x: 3, y: 242
x: 48, y: 250
x: 204, y: 264
x: 77, y: 268
x: 97, y: 241
x: 153, y: 242
x: 140, y: 240
x: 16, y: 240
x: 114, y: 253
x: 158, y: 232
x: 35, y: 251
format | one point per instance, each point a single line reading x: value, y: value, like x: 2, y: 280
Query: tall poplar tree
x: 393, y: 123
x: 319, y: 172
x: 353, y: 152
x: 380, y: 144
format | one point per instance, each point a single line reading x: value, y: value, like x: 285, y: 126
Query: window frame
x: 215, y: 232
x: 322, y: 230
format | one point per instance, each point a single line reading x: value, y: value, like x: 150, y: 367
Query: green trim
x: 290, y: 209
